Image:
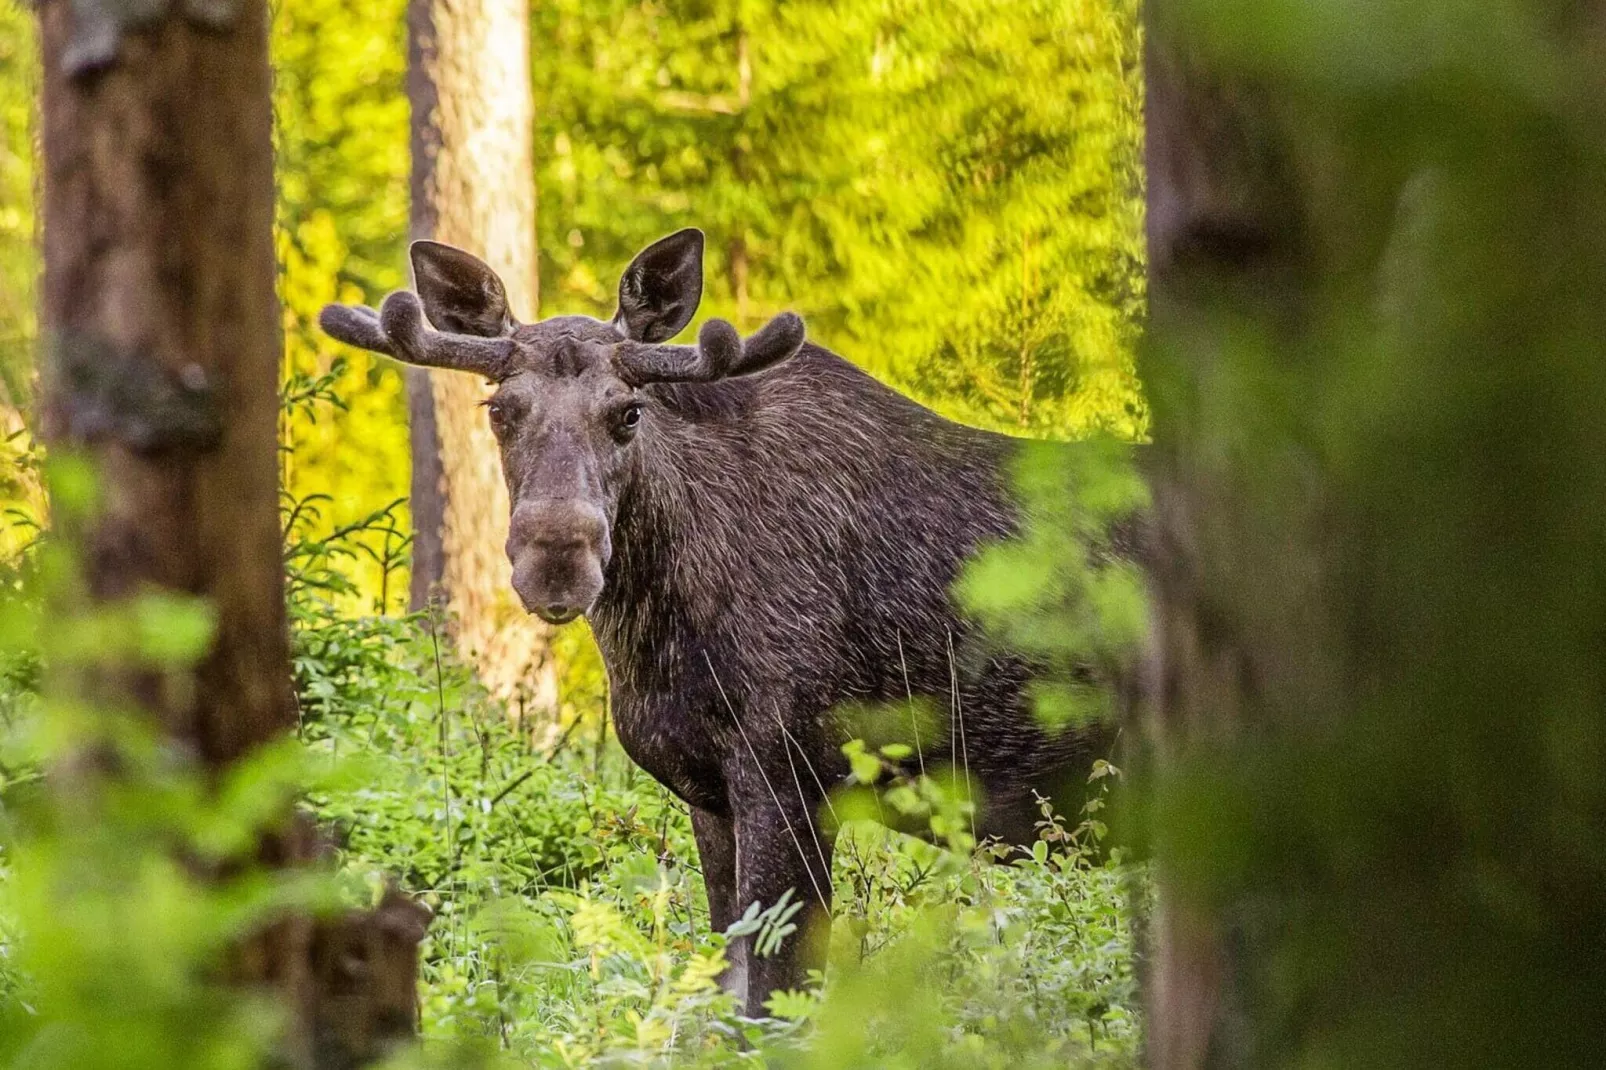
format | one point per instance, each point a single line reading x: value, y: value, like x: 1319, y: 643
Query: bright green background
x: 949, y: 193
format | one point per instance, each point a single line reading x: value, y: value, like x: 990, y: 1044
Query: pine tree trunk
x: 162, y: 329
x: 161, y: 366
x: 473, y: 187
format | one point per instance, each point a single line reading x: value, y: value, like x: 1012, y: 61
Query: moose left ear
x: 461, y: 294
x: 660, y: 290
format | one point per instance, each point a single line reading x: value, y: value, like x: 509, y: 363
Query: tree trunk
x: 162, y: 329
x: 161, y: 365
x: 1374, y: 362
x: 473, y: 187
x: 1218, y: 209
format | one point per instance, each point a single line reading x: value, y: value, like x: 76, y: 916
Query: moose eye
x: 501, y: 415
x: 628, y: 419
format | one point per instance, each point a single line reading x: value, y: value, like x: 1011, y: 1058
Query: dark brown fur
x: 755, y: 554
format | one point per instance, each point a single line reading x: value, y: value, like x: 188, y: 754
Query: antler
x: 718, y: 354
x: 398, y: 330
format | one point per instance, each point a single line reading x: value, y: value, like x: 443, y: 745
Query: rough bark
x: 162, y: 327
x: 474, y: 187
x: 161, y: 365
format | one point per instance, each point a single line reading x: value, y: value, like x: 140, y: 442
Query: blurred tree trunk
x: 1374, y: 362
x: 161, y: 365
x: 1220, y: 213
x: 473, y: 187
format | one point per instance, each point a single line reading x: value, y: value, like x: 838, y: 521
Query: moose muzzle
x: 559, y: 549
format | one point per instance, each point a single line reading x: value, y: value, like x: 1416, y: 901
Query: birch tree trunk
x: 473, y: 187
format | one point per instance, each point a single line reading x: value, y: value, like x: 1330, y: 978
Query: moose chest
x: 673, y: 743
x: 673, y: 689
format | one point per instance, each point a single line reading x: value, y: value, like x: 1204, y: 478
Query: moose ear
x: 461, y: 294
x: 661, y: 288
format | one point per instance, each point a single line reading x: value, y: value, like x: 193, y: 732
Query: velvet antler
x: 398, y: 330
x: 718, y: 354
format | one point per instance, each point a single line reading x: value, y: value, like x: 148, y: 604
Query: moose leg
x: 716, y: 850
x: 779, y: 846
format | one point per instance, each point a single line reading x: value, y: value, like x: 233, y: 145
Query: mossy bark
x: 161, y: 365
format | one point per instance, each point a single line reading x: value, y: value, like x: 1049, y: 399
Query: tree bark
x: 162, y: 332
x: 161, y: 365
x: 474, y: 187
x: 1231, y: 246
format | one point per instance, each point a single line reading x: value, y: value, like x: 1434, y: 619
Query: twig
x: 499, y: 796
x: 564, y: 738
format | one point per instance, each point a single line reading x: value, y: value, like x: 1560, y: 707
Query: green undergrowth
x: 571, y: 927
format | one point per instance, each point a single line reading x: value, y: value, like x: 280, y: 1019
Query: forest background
x: 952, y: 196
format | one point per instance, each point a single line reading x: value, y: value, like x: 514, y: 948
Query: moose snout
x: 558, y: 549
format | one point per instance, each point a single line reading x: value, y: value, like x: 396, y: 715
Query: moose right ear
x: 461, y: 293
x: 660, y: 290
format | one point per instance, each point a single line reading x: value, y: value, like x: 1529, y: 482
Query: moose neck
x: 742, y: 491
x: 658, y: 583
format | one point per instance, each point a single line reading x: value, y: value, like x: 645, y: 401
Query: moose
x: 761, y: 535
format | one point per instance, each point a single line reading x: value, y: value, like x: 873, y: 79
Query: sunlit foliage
x: 18, y: 260
x: 340, y: 125
x: 950, y: 193
x: 21, y: 498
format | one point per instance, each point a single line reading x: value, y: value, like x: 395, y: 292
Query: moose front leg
x: 780, y: 847
x: 716, y: 851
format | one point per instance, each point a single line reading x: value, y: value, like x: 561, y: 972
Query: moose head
x: 572, y: 407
